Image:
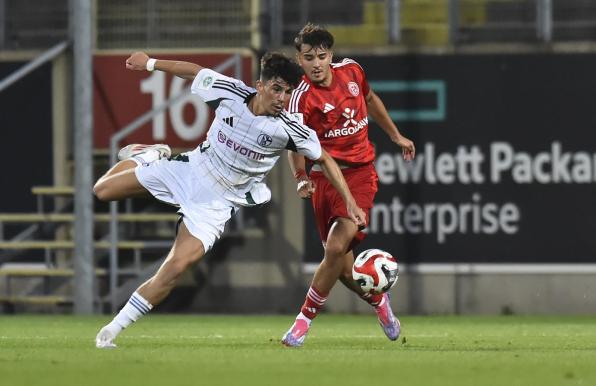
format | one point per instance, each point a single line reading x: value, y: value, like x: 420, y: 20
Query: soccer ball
x: 375, y: 271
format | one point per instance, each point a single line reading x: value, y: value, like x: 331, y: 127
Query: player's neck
x: 255, y: 107
x: 327, y: 81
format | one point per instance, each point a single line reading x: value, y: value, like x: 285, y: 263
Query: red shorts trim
x: 328, y: 204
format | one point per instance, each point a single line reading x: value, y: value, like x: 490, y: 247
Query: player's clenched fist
x: 305, y: 188
x: 356, y: 214
x: 137, y: 61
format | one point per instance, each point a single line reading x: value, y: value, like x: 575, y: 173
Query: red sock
x: 313, y: 303
x: 373, y: 300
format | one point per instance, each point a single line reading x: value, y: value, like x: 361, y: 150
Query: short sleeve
x: 211, y: 86
x: 304, y: 139
x: 360, y: 75
x: 297, y: 105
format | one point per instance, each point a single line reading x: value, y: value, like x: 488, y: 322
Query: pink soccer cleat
x: 296, y: 334
x: 389, y: 323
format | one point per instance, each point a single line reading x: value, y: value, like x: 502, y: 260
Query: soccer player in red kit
x: 334, y: 99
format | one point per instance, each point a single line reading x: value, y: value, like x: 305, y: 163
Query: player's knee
x: 334, y: 250
x: 179, y: 267
x: 346, y: 274
x: 182, y: 263
x: 101, y: 191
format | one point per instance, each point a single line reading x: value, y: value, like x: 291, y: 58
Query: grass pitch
x: 340, y: 350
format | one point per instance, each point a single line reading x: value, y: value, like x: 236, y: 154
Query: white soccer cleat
x: 105, y: 338
x: 161, y: 151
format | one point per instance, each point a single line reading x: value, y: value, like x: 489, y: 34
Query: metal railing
x: 34, y: 64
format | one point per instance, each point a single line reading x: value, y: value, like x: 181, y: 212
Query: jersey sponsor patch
x: 353, y: 88
x: 238, y: 147
x: 348, y: 129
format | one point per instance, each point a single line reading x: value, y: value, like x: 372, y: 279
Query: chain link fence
x: 174, y: 23
x: 266, y: 24
x: 32, y: 24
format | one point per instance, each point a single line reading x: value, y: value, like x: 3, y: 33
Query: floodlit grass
x: 340, y: 350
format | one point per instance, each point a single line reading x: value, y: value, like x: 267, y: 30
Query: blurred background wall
x: 495, y: 214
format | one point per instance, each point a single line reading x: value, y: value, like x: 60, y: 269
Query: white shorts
x: 205, y: 212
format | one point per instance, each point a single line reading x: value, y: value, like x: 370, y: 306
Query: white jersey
x: 242, y: 147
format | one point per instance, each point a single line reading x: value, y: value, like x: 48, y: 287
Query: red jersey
x: 337, y: 113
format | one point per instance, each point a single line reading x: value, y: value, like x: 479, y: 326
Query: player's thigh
x: 340, y: 236
x: 119, y: 186
x: 186, y: 250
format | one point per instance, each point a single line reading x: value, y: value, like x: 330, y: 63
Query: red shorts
x: 328, y: 204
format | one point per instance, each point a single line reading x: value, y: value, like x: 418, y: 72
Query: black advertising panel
x: 506, y: 159
x: 26, y: 132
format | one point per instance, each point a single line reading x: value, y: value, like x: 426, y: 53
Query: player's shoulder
x: 299, y: 95
x: 292, y: 124
x: 347, y: 64
x: 232, y: 85
x: 210, y: 80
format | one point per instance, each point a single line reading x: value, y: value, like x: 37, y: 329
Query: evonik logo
x: 238, y: 148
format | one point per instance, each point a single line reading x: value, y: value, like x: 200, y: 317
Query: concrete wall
x: 485, y: 293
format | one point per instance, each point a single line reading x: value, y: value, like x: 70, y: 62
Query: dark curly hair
x: 315, y: 36
x: 277, y: 65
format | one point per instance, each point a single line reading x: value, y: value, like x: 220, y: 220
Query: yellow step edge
x: 40, y: 300
x: 49, y: 190
x: 67, y: 244
x: 58, y: 272
x: 69, y: 217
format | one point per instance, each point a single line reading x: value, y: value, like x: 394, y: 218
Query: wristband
x: 300, y: 175
x: 151, y: 64
x: 301, y: 184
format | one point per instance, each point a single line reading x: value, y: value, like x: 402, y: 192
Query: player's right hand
x: 356, y: 214
x: 305, y: 188
x: 137, y: 61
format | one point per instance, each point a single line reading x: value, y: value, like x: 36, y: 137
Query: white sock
x: 136, y: 307
x: 304, y: 317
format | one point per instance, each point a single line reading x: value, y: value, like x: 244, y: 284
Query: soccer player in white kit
x: 249, y: 133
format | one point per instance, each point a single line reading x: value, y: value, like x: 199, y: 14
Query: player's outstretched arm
x: 333, y: 173
x: 140, y: 61
x: 379, y: 113
x: 305, y: 187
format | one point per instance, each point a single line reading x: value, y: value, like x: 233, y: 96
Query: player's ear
x: 259, y: 86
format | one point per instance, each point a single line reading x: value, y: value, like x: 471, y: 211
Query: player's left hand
x: 305, y: 188
x: 356, y: 214
x: 408, y: 150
